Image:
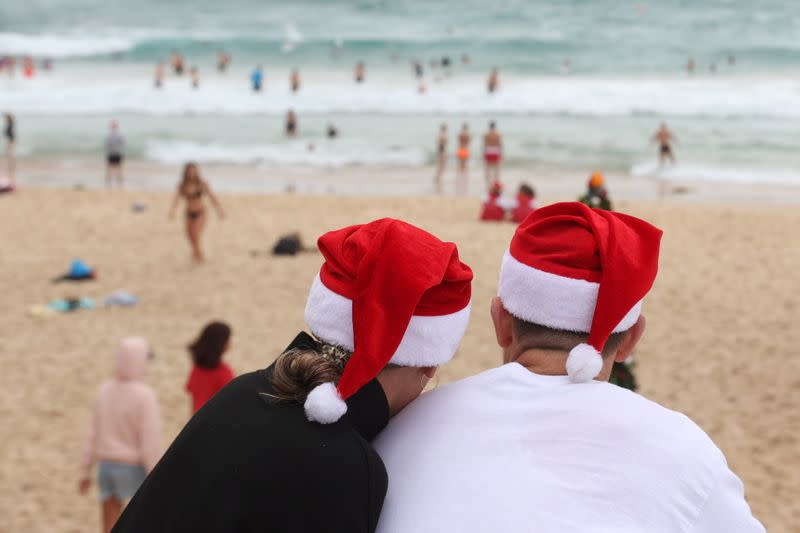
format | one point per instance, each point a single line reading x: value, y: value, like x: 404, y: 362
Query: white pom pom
x: 584, y: 363
x: 324, y: 405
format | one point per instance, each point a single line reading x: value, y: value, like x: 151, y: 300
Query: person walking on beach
x: 257, y: 78
x: 124, y: 435
x: 10, y: 135
x: 543, y: 442
x: 287, y: 448
x: 115, y: 154
x: 209, y: 372
x: 664, y: 137
x: 192, y: 188
x: 494, y: 81
x: 294, y: 80
x: 441, y: 158
x: 464, y: 140
x: 492, y: 153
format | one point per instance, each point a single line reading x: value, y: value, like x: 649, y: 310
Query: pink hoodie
x: 125, y: 426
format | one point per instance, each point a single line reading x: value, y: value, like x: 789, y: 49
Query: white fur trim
x: 428, y: 340
x: 584, y: 363
x: 324, y: 405
x: 550, y: 300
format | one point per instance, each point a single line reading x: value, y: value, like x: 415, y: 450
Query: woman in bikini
x: 192, y: 188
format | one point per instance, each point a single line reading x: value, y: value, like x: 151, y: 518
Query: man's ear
x: 631, y: 340
x: 502, y: 323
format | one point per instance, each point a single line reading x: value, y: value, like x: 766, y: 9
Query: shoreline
x: 391, y: 181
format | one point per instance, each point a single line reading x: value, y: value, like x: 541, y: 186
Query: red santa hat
x: 388, y: 292
x: 574, y: 268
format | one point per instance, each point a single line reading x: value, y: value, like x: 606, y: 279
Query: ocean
x: 583, y: 84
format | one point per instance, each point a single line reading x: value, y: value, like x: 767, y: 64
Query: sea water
x: 583, y: 84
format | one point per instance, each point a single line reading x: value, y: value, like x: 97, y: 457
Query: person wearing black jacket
x: 287, y: 448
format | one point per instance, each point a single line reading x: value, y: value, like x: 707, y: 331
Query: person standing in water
x: 177, y: 63
x: 664, y: 137
x: 194, y: 72
x: 492, y: 153
x: 291, y: 123
x: 360, y: 72
x: 441, y: 158
x: 294, y: 80
x: 158, y: 81
x: 464, y: 139
x: 257, y: 78
x: 494, y: 81
x: 223, y: 60
x: 10, y: 134
x: 115, y: 153
x: 192, y: 188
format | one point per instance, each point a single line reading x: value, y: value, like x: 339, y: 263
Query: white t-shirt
x: 511, y: 451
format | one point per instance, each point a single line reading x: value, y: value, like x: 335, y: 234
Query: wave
x: 335, y: 93
x: 328, y: 154
x: 62, y: 46
x: 698, y: 172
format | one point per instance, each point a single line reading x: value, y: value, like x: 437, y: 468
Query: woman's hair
x: 187, y: 171
x: 298, y: 371
x: 527, y: 190
x: 207, y: 350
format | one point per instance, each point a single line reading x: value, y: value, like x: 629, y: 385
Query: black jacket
x: 245, y: 463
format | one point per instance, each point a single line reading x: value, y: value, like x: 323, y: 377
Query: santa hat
x: 574, y: 268
x: 388, y: 292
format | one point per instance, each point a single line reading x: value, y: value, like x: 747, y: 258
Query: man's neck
x: 543, y: 362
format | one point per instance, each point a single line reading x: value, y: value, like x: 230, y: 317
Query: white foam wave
x: 335, y: 93
x: 327, y: 154
x: 698, y: 172
x: 61, y: 46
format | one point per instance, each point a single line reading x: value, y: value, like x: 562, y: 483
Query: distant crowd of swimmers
x: 492, y: 156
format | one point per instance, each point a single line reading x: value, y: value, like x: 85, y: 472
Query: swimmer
x: 690, y: 66
x: 223, y: 60
x: 465, y: 59
x: 332, y: 131
x: 464, y: 139
x: 492, y: 153
x: 257, y: 78
x: 177, y: 63
x: 194, y: 72
x: 441, y: 160
x: 360, y: 72
x: 28, y: 67
x: 158, y: 81
x: 418, y: 69
x: 493, y: 83
x: 191, y: 189
x: 291, y: 124
x: 664, y: 137
x: 10, y: 134
x: 294, y: 80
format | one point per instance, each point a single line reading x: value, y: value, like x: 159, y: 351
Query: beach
x: 719, y: 345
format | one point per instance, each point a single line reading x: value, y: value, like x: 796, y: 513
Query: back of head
x: 526, y: 190
x: 208, y: 348
x: 573, y: 277
x: 388, y: 293
x: 131, y: 359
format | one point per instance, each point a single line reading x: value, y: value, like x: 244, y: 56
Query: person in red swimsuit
x: 209, y: 373
x: 492, y: 153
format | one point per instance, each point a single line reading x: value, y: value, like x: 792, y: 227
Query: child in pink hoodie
x: 124, y: 436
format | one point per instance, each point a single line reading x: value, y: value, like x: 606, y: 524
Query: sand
x: 721, y: 344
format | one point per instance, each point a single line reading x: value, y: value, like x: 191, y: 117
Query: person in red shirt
x: 492, y: 210
x: 526, y: 203
x: 209, y: 374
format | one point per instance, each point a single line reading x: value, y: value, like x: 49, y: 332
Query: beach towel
x: 121, y: 298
